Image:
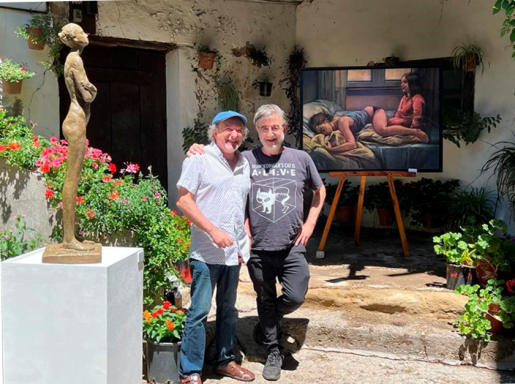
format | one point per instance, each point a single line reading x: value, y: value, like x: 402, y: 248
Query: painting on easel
x: 372, y: 118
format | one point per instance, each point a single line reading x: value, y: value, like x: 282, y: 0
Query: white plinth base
x: 77, y: 324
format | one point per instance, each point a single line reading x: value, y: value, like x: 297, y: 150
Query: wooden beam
x: 139, y: 44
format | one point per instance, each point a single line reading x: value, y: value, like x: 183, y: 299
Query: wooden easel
x: 363, y: 179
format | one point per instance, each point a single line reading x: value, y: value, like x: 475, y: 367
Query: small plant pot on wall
x: 11, y: 88
x: 265, y: 89
x: 206, y: 60
x: 35, y: 34
x: 496, y: 325
x: 391, y: 61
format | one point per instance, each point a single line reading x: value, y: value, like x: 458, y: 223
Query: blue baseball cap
x: 227, y: 115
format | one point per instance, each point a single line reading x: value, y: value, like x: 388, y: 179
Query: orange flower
x: 118, y: 182
x: 148, y: 319
x: 146, y: 314
x: 170, y: 325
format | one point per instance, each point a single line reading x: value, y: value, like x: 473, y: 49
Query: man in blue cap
x: 219, y: 244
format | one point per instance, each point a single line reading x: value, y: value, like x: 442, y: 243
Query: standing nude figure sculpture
x: 82, y: 93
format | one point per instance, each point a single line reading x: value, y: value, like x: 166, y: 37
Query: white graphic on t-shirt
x: 273, y: 199
x: 269, y: 198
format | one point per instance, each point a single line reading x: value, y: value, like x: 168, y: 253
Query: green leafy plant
x: 470, y: 207
x: 228, y: 98
x: 19, y: 240
x: 258, y: 56
x: 378, y: 196
x: 164, y: 324
x: 196, y: 134
x: 428, y: 197
x: 474, y: 323
x: 467, y: 127
x: 348, y: 196
x: 509, y: 23
x: 50, y: 28
x: 14, y: 72
x: 294, y: 64
x: 467, y: 57
x: 502, y: 163
x: 453, y: 246
x: 132, y: 204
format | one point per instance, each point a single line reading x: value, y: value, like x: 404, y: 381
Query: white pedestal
x: 73, y: 323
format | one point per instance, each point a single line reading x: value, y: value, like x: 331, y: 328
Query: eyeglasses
x: 274, y: 129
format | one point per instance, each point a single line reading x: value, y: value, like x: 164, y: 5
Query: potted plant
x: 470, y: 207
x: 346, y: 207
x: 429, y: 201
x: 502, y: 164
x: 467, y: 127
x: 265, y: 87
x: 467, y: 57
x: 378, y: 197
x: 12, y: 75
x: 487, y: 310
x: 391, y: 60
x: 460, y: 268
x: 206, y: 57
x: 259, y: 57
x: 163, y: 328
x: 493, y: 250
x: 43, y: 30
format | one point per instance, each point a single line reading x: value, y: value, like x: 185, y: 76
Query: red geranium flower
x: 45, y: 168
x: 166, y: 304
x: 510, y: 284
x: 23, y: 69
x: 79, y: 200
x: 91, y: 213
x: 160, y: 311
x: 49, y: 193
x: 112, y: 168
x: 14, y: 146
x: 105, y: 179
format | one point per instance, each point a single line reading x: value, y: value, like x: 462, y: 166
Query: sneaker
x: 272, y: 370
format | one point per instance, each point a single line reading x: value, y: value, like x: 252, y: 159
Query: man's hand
x: 305, y: 233
x: 195, y: 149
x: 220, y: 238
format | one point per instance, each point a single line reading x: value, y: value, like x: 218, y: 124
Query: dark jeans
x: 291, y: 269
x: 205, y: 278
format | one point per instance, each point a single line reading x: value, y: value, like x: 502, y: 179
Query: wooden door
x: 128, y: 116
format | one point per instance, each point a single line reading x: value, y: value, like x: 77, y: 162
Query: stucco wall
x: 39, y: 95
x: 222, y: 25
x: 350, y: 32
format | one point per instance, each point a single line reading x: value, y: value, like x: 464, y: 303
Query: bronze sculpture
x: 82, y: 93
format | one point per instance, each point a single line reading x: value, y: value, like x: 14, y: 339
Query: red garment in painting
x: 410, y: 112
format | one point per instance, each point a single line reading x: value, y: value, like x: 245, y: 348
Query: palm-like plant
x: 502, y: 162
x: 470, y: 207
x: 468, y: 56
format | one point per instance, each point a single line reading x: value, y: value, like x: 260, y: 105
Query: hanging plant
x: 294, y: 64
x: 467, y: 57
x: 12, y: 74
x: 467, y: 127
x: 42, y: 30
x: 206, y: 57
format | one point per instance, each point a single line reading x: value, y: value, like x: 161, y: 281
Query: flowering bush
x: 17, y: 241
x: 106, y: 205
x: 13, y: 72
x: 164, y: 324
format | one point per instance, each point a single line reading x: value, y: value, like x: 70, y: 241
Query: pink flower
x: 144, y: 198
x: 56, y: 163
x: 157, y: 195
x: 53, y: 140
x: 91, y: 213
x: 2, y: 148
x: 94, y: 165
x: 63, y: 142
x: 132, y: 168
x: 38, y: 161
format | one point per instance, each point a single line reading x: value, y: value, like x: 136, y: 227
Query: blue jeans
x: 205, y: 278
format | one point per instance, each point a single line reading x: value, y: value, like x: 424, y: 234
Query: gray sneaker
x: 272, y: 370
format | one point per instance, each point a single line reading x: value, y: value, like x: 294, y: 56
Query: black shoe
x: 272, y: 370
x: 259, y: 336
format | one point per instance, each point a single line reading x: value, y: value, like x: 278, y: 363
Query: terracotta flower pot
x: 206, y: 60
x: 385, y: 217
x: 11, y: 88
x: 485, y: 272
x: 496, y: 325
x: 35, y: 32
x: 345, y: 214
